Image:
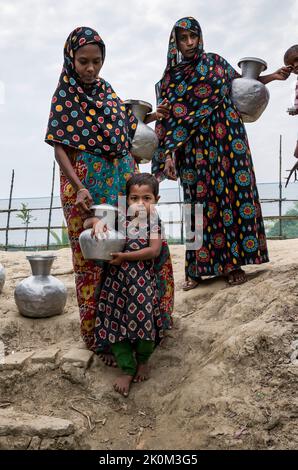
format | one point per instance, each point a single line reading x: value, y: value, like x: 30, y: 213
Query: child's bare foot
x: 142, y: 373
x: 109, y: 360
x: 122, y: 384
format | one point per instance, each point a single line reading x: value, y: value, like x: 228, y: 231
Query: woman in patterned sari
x: 91, y: 132
x: 203, y: 141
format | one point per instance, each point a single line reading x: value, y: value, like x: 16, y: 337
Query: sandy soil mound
x: 225, y: 378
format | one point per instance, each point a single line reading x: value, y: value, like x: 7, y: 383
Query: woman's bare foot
x: 142, y: 373
x: 122, y: 384
x: 236, y: 277
x: 190, y: 284
x: 109, y: 360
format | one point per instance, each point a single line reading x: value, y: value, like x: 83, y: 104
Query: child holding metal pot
x: 128, y: 319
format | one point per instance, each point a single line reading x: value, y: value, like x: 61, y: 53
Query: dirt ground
x: 225, y: 378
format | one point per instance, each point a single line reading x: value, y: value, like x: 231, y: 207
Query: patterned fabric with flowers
x: 209, y: 144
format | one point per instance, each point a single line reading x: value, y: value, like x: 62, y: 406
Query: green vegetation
x: 63, y: 240
x: 289, y: 227
x: 25, y: 216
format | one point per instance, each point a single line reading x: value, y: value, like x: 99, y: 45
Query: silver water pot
x: 40, y: 295
x: 2, y: 277
x: 145, y: 141
x: 248, y: 94
x: 111, y: 241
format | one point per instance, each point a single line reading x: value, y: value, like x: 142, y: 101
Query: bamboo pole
x: 181, y: 216
x: 8, y: 212
x: 51, y: 205
x: 280, y: 186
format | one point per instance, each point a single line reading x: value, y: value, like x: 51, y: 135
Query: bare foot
x: 190, y: 284
x: 122, y: 384
x: 109, y: 360
x: 236, y: 277
x: 142, y: 373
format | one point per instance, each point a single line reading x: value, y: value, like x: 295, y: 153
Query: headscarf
x: 89, y: 118
x: 193, y: 87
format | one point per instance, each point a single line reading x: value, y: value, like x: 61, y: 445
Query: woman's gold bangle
x: 82, y: 189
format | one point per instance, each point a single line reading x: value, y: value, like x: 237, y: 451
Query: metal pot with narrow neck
x: 145, y: 141
x: 248, y: 94
x: 40, y: 295
x: 112, y: 241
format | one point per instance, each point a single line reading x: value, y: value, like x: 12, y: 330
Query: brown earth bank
x: 225, y: 378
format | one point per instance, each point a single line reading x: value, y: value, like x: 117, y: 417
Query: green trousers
x: 125, y: 358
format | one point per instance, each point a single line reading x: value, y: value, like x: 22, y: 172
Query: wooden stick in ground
x: 51, y: 205
x: 9, y: 208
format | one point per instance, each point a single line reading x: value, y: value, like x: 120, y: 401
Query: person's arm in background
x: 162, y: 111
x: 84, y: 199
x: 281, y: 74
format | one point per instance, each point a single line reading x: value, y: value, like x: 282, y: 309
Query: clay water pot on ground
x: 248, y: 94
x: 40, y: 295
x: 145, y: 141
x: 2, y: 277
x: 112, y: 241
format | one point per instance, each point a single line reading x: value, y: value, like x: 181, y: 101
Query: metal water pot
x: 112, y: 241
x: 40, y: 295
x: 2, y: 277
x: 248, y: 94
x: 145, y: 141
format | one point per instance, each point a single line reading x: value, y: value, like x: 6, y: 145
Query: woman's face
x: 88, y: 62
x: 187, y: 42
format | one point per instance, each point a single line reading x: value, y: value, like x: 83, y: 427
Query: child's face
x: 292, y: 60
x: 141, y: 197
x: 88, y: 62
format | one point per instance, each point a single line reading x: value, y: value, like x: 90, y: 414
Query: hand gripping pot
x: 111, y: 241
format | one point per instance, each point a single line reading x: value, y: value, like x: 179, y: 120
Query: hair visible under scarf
x: 93, y: 118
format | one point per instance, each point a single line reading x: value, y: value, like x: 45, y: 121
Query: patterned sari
x: 207, y: 140
x: 96, y: 124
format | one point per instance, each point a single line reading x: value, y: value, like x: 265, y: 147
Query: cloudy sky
x: 32, y: 35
